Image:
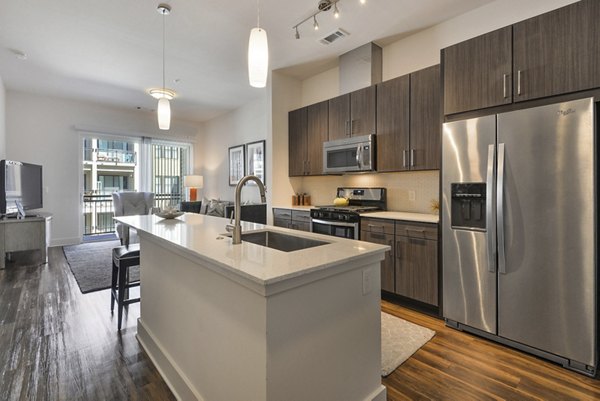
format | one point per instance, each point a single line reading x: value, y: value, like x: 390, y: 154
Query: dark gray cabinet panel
x: 416, y: 265
x: 425, y: 119
x: 477, y: 72
x: 393, y: 124
x: 557, y: 52
x: 353, y: 114
x: 297, y: 129
x: 339, y: 117
x: 317, y: 133
x: 387, y: 265
x: 363, y: 104
x: 307, y: 132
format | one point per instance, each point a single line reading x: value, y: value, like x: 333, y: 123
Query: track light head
x: 297, y: 33
x: 336, y: 12
x: 315, y: 23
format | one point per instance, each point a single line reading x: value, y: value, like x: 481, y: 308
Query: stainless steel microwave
x: 352, y: 154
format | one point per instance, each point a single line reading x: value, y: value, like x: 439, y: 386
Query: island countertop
x: 203, y: 237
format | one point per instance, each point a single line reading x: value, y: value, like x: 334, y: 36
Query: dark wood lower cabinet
x: 294, y: 219
x: 387, y: 265
x: 410, y: 269
x: 417, y: 269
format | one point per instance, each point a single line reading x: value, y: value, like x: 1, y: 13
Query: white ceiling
x: 110, y: 51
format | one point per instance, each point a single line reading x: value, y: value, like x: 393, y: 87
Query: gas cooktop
x: 349, y: 208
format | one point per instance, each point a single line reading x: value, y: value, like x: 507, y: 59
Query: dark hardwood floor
x: 459, y: 366
x: 58, y: 344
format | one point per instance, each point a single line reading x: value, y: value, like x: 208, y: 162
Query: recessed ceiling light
x: 159, y: 93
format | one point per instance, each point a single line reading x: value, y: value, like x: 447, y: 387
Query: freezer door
x: 469, y: 276
x: 546, y: 287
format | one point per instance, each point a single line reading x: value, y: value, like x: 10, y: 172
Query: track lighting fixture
x: 322, y: 5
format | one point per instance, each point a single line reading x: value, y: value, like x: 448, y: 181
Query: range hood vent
x: 333, y: 36
x: 360, y: 68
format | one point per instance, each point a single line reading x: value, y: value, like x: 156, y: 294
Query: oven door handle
x: 334, y: 223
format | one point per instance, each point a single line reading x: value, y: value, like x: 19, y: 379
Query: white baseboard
x: 65, y: 241
x: 169, y: 371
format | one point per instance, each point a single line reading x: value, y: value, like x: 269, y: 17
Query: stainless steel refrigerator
x: 519, y: 230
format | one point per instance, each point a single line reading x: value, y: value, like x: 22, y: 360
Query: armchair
x: 130, y: 204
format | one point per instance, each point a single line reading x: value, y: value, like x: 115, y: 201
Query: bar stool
x: 123, y: 258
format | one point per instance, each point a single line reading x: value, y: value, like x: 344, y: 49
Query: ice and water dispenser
x: 468, y: 206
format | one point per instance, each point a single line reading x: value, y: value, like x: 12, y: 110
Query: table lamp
x: 193, y: 182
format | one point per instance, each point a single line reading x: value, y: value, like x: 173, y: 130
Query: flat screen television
x: 20, y: 183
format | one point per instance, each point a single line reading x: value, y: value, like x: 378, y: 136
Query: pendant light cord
x: 163, y: 18
x: 257, y: 14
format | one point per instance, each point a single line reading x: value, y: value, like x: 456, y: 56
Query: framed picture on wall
x: 236, y: 164
x: 255, y: 159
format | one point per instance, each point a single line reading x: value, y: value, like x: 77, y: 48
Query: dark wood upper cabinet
x: 363, y: 111
x: 477, y: 72
x: 552, y: 54
x: 425, y: 119
x: 317, y: 116
x: 297, y: 128
x: 307, y: 132
x: 557, y: 52
x: 393, y: 124
x: 409, y: 122
x: 339, y: 117
x: 353, y: 114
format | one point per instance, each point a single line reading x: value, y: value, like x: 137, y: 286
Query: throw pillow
x: 216, y: 208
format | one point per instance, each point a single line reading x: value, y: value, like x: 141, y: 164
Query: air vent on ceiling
x: 332, y: 37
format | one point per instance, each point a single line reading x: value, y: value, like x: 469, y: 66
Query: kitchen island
x: 247, y: 322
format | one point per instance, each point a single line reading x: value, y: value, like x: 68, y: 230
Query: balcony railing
x: 110, y: 155
x: 98, y: 211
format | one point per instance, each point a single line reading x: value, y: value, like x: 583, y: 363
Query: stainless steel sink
x: 279, y: 241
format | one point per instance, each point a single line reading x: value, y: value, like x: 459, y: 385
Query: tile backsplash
x: 406, y: 191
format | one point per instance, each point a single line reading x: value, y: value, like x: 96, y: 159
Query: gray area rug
x: 399, y: 340
x: 91, y: 264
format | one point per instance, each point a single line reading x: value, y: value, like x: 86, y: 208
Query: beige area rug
x: 399, y: 340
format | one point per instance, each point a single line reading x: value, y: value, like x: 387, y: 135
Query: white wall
x: 41, y: 130
x: 2, y: 120
x: 246, y: 124
x: 399, y: 58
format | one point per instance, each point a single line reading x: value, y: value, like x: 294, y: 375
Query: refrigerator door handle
x: 500, y: 210
x: 491, y: 230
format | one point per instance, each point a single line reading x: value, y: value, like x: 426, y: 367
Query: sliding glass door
x: 114, y: 164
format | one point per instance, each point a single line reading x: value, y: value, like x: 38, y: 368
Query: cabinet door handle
x: 347, y: 128
x: 504, y: 76
x: 352, y: 127
x: 404, y: 158
x: 412, y: 157
x: 519, y: 82
x: 420, y: 232
x: 374, y: 227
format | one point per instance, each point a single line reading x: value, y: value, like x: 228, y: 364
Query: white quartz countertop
x: 418, y: 217
x: 200, y: 236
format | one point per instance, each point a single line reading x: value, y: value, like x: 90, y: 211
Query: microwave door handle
x: 359, y: 155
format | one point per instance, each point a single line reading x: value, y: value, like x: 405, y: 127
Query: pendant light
x: 164, y: 107
x: 258, y: 55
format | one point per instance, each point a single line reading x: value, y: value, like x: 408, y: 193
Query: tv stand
x: 30, y: 233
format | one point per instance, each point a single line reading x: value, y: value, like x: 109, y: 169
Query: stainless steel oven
x: 344, y: 221
x: 336, y: 228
